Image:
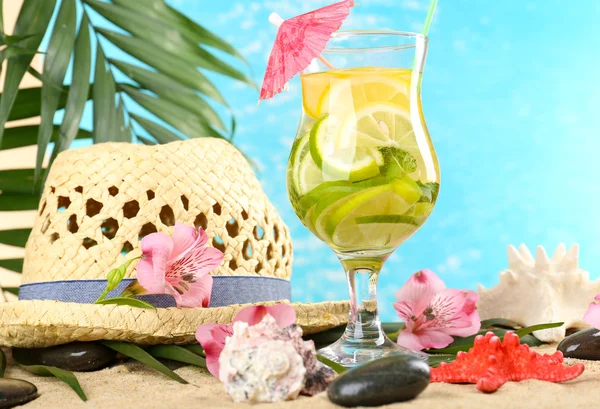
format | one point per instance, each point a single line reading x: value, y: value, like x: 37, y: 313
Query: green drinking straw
x: 429, y: 17
x: 426, y: 26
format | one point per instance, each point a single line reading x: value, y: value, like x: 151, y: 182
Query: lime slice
x: 305, y: 173
x: 422, y: 210
x: 387, y: 218
x: 314, y: 196
x: 337, y: 159
x: 334, y: 218
x: 320, y: 192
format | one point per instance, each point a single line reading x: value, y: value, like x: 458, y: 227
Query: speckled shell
x: 270, y: 372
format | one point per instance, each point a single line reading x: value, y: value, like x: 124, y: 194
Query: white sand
x: 133, y: 386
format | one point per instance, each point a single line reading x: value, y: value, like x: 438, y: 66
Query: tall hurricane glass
x: 363, y: 175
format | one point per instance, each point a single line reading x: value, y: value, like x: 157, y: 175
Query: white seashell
x: 541, y: 291
x: 278, y: 365
x: 271, y: 372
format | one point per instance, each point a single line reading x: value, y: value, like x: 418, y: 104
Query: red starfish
x: 491, y: 363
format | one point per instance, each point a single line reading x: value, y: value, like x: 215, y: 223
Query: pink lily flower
x: 592, y: 315
x: 179, y: 265
x: 433, y: 313
x: 212, y: 336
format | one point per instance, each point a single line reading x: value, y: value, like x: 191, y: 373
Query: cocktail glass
x: 363, y: 175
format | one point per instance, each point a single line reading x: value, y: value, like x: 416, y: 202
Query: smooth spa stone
x: 76, y: 356
x: 15, y: 392
x: 387, y: 380
x: 582, y: 345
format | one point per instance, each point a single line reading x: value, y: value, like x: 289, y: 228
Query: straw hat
x: 98, y: 203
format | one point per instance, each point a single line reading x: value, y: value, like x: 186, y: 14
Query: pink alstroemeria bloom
x: 212, y: 336
x: 592, y: 315
x: 433, y: 313
x: 179, y: 265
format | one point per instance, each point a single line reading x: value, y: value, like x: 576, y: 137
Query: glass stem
x: 364, y: 324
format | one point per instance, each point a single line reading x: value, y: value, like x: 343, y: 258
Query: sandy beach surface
x: 132, y: 385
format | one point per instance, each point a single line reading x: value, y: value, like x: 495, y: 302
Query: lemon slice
x: 379, y: 125
x: 343, y: 91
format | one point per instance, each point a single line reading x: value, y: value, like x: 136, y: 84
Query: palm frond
x: 34, y: 17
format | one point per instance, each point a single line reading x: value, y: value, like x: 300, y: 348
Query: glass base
x: 350, y: 352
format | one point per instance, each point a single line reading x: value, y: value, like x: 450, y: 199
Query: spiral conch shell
x: 541, y: 290
x: 271, y: 372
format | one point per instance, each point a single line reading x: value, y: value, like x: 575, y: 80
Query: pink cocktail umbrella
x: 299, y: 40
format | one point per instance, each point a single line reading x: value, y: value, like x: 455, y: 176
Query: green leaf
x: 104, y: 99
x: 13, y: 39
x: 12, y: 290
x: 500, y: 323
x: 391, y: 327
x: 55, y: 67
x: 16, y: 237
x: 336, y: 367
x: 189, y: 124
x: 196, y: 349
x: 122, y: 133
x: 14, y: 264
x: 10, y: 202
x: 430, y: 191
x: 326, y: 338
x: 19, y: 181
x: 66, y: 376
x: 2, y: 35
x: 168, y: 63
x: 79, y: 90
x: 177, y: 353
x: 20, y: 136
x: 146, y: 141
x: 34, y: 17
x: 45, y: 80
x: 162, y: 134
x: 165, y: 37
x: 171, y: 91
x: 398, y: 162
x: 190, y: 30
x: 28, y: 103
x: 137, y: 353
x: 528, y: 330
x: 14, y: 51
x: 466, y: 343
x: 131, y: 302
x: 2, y: 356
x: 435, y: 360
x: 233, y: 128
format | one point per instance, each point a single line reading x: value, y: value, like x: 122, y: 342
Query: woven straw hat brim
x: 44, y: 323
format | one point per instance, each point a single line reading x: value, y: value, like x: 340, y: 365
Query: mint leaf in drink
x: 397, y: 162
x: 430, y: 191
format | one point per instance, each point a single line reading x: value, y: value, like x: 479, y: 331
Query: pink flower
x: 212, y: 336
x: 592, y: 315
x: 433, y: 313
x: 179, y: 265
